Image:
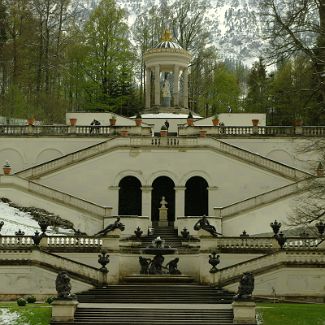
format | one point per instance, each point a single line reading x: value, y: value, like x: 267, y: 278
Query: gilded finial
x: 167, y: 36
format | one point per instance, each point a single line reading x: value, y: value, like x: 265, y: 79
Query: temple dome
x: 168, y: 45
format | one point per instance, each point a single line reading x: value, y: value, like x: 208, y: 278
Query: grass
x: 269, y: 314
x: 291, y: 314
x: 31, y: 314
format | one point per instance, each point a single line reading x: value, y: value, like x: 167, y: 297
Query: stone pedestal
x: 298, y: 130
x: 163, y: 217
x: 255, y: 129
x: 244, y: 312
x: 63, y: 310
x: 111, y: 241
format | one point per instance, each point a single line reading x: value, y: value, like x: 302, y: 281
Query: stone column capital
x: 114, y: 188
x: 146, y: 188
x: 180, y: 188
x: 212, y: 188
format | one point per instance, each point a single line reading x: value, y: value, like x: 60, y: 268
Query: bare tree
x: 294, y: 27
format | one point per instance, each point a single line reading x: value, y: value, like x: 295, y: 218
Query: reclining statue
x: 204, y: 224
x: 116, y: 225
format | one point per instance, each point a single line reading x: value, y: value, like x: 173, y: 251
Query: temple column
x: 185, y: 97
x: 211, y: 198
x: 115, y: 199
x: 157, y: 85
x: 148, y: 87
x: 179, y: 201
x: 176, y: 85
x: 146, y: 201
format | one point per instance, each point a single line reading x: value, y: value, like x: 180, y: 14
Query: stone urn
x: 73, y: 121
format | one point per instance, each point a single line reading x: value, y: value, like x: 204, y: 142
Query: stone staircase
x: 153, y: 303
x: 169, y: 234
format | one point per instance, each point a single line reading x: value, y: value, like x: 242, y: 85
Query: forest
x: 58, y: 56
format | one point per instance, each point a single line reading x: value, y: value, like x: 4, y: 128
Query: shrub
x: 31, y: 299
x: 49, y: 300
x: 21, y: 302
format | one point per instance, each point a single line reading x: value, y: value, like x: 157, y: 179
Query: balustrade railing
x: 104, y: 130
x: 14, y: 241
x: 246, y: 243
x: 73, y: 241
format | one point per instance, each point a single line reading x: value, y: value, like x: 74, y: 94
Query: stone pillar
x: 244, y: 312
x: 115, y: 194
x: 185, y: 87
x: 175, y: 88
x: 146, y: 200
x: 163, y: 213
x: 157, y: 85
x: 63, y: 310
x: 179, y: 201
x: 211, y: 198
x: 148, y: 87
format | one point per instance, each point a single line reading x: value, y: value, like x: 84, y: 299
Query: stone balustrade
x: 95, y: 210
x: 89, y: 130
x: 260, y: 199
x: 244, y: 243
x: 73, y: 242
x: 232, y: 273
x: 16, y: 241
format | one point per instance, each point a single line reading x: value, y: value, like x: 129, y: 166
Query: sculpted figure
x: 246, y: 287
x: 172, y: 266
x: 63, y: 286
x: 204, y: 224
x: 116, y: 225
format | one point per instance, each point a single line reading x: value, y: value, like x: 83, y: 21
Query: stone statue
x: 156, y: 265
x: 144, y: 263
x: 172, y: 266
x: 246, y: 287
x: 116, y: 225
x: 166, y: 93
x: 163, y: 202
x: 204, y: 224
x: 63, y: 286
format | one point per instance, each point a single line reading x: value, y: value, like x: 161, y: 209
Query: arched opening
x: 163, y: 186
x: 196, y: 197
x: 130, y: 196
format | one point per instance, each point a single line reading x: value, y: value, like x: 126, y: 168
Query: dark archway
x: 163, y: 186
x: 196, y: 197
x: 130, y: 196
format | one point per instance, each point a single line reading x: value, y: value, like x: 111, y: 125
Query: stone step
x: 152, y: 316
x: 159, y: 294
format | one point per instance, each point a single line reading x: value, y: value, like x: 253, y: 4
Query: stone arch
x: 130, y: 196
x: 163, y: 186
x: 48, y: 155
x: 281, y: 156
x: 166, y: 173
x: 196, y: 196
x: 14, y: 157
x: 194, y: 173
x: 138, y: 174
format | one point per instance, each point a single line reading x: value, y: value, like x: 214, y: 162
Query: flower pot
x: 298, y: 122
x: 203, y: 133
x: 215, y: 121
x: 73, y: 121
x: 163, y: 133
x: 30, y: 121
x: 190, y: 122
x: 124, y: 133
x: 7, y: 170
x: 112, y: 121
x: 255, y: 122
x: 138, y: 121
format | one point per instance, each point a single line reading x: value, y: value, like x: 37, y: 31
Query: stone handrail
x: 73, y: 242
x: 16, y: 241
x: 91, y: 151
x: 68, y: 265
x: 248, y: 242
x: 261, y: 161
x: 260, y: 199
x: 59, y: 196
x: 233, y: 273
x: 49, y: 260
